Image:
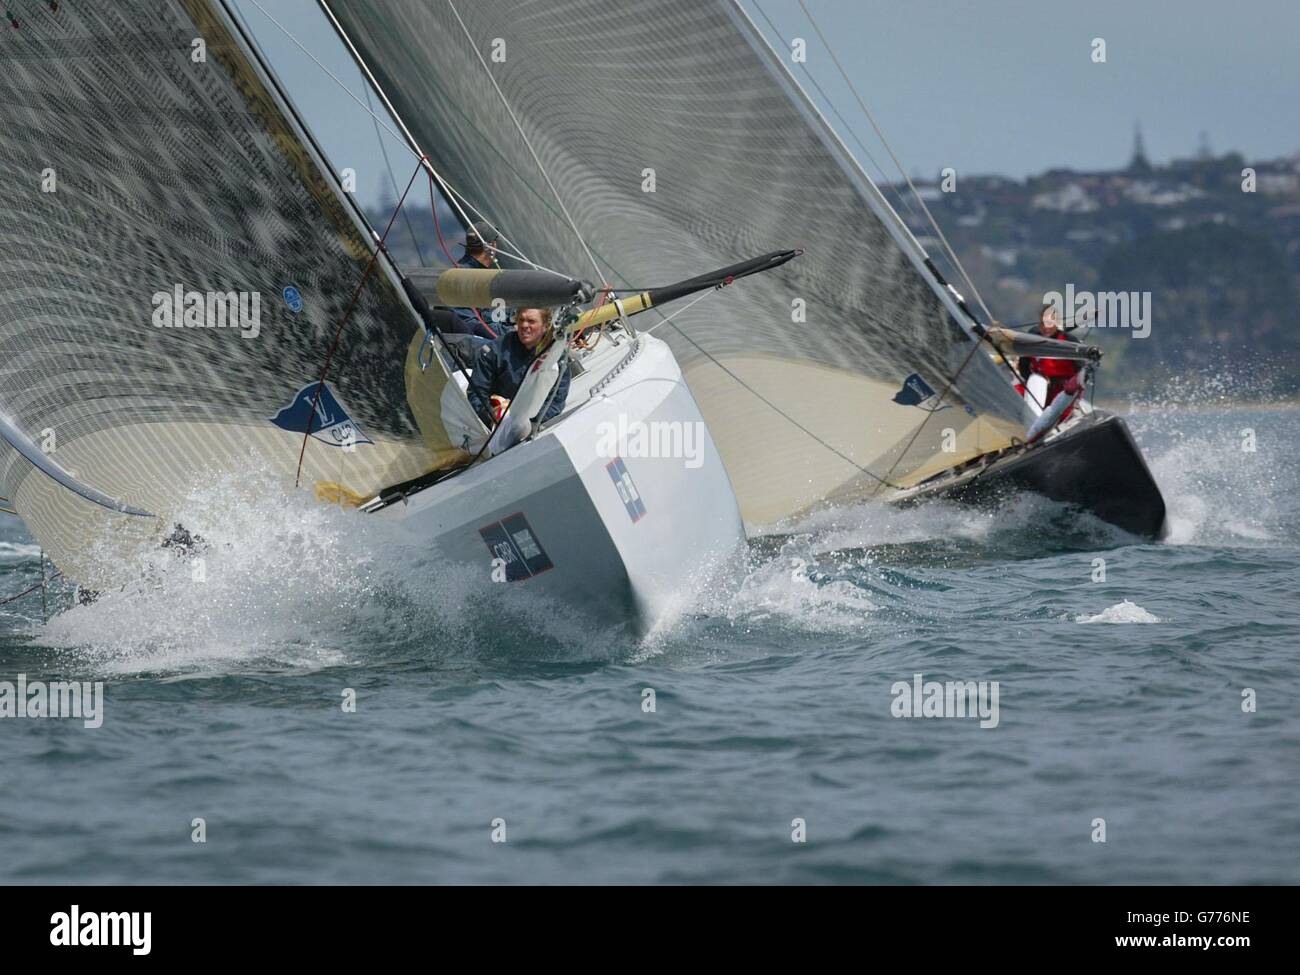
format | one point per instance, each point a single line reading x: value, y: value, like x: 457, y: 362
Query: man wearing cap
x: 480, y: 252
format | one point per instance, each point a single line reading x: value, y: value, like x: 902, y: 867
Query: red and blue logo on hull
x: 626, y: 489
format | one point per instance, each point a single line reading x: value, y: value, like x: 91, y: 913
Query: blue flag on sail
x: 917, y: 392
x: 332, y: 424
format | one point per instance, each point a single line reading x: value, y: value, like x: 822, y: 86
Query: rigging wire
x: 466, y: 203
x: 952, y: 254
x: 600, y: 275
x: 668, y: 318
x: 449, y: 192
x: 455, y: 198
x: 975, y: 347
x: 765, y: 401
x: 338, y: 333
x: 886, y: 184
x: 885, y: 481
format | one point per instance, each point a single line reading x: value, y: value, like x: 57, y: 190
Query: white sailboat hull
x: 624, y: 538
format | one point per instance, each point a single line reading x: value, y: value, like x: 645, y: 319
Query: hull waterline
x: 622, y: 538
x: 1095, y: 465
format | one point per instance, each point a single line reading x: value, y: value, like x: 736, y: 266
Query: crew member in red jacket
x: 1057, y: 372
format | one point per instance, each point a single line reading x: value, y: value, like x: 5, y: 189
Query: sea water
x: 315, y: 712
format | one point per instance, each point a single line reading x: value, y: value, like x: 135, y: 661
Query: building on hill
x: 1070, y: 198
x: 1139, y: 163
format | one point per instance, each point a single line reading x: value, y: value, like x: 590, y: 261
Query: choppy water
x: 1119, y: 700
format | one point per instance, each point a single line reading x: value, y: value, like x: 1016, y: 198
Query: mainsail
x: 175, y: 261
x: 677, y: 140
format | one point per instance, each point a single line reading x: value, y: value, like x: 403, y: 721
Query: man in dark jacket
x: 501, y: 365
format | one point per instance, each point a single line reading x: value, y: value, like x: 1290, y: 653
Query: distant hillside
x: 1222, y: 264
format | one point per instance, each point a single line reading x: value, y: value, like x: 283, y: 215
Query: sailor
x: 480, y: 252
x: 501, y: 365
x: 1057, y: 372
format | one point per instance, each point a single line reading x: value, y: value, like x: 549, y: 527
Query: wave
x: 19, y: 552
x: 1121, y: 612
x: 1229, y: 478
x: 288, y: 584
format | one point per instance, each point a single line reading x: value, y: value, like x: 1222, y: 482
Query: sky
x: 1009, y: 86
x: 1003, y: 87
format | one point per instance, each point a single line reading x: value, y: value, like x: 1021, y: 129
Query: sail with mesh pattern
x: 678, y: 141
x: 174, y: 263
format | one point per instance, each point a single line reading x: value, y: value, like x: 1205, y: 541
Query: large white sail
x: 147, y: 164
x: 677, y: 141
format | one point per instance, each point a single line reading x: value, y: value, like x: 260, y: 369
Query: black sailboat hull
x: 1096, y: 466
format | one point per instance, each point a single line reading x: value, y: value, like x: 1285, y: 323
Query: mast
x: 272, y: 84
x: 382, y: 257
x: 371, y: 80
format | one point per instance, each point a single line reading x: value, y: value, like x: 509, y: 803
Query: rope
x: 1019, y: 380
x: 881, y: 482
x: 463, y: 201
x: 31, y: 589
x: 600, y: 275
x: 388, y: 165
x: 975, y: 347
x: 668, y: 319
x: 25, y: 592
x: 370, y: 266
x: 949, y: 250
x: 333, y: 77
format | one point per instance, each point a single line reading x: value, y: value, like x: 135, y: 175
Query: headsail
x: 678, y: 141
x: 174, y: 262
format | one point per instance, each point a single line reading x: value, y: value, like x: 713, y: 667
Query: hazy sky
x: 1008, y: 86
x: 986, y: 86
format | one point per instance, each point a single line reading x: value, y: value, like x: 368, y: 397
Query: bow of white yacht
x: 620, y: 507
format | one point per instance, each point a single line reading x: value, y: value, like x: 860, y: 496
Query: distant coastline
x: 1214, y: 241
x: 1237, y: 406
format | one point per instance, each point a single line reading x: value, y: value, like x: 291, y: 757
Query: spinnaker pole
x: 479, y: 288
x: 654, y: 297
